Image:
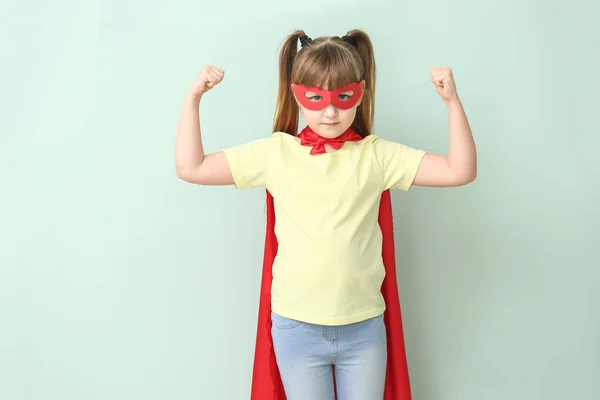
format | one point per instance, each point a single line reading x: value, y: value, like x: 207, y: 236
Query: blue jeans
x: 307, y: 354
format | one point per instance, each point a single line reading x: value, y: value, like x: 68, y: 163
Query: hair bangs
x: 328, y: 66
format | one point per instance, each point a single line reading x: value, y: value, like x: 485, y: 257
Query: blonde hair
x: 327, y: 62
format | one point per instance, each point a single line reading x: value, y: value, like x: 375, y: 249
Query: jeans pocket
x: 281, y: 322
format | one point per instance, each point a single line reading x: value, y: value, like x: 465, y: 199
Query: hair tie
x: 305, y: 40
x: 350, y: 40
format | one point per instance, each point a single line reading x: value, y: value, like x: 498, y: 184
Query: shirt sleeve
x: 399, y: 163
x: 249, y: 162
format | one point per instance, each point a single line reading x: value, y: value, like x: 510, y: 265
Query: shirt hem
x: 330, y: 321
x: 412, y: 171
x: 233, y: 168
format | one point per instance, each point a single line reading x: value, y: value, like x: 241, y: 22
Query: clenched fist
x: 443, y: 80
x: 208, y: 78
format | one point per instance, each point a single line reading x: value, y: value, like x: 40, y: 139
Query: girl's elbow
x: 184, y: 173
x: 468, y: 178
x: 462, y: 178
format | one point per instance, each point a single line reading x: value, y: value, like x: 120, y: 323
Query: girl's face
x: 329, y: 113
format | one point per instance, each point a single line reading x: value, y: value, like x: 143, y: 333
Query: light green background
x: 119, y: 281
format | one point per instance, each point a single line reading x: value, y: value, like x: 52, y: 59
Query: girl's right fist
x: 208, y: 78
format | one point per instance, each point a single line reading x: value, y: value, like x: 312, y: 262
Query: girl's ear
x: 363, y: 84
x: 294, y: 95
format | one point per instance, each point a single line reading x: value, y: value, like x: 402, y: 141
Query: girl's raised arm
x: 460, y: 166
x: 192, y: 165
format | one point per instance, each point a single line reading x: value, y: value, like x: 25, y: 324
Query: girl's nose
x: 330, y: 110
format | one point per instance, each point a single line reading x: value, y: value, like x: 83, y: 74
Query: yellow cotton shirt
x: 329, y: 268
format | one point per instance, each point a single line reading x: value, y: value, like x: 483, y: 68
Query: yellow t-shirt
x: 329, y: 268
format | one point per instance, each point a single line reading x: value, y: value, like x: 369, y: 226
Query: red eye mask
x: 328, y: 96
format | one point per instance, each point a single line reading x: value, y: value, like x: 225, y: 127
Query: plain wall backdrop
x: 120, y: 281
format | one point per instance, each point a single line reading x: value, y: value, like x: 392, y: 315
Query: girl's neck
x: 329, y: 149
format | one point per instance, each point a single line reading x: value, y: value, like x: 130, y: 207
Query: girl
x: 325, y: 184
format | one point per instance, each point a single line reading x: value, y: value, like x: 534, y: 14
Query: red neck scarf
x: 308, y: 137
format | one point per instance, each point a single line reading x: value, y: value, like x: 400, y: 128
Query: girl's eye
x: 346, y: 96
x: 315, y: 98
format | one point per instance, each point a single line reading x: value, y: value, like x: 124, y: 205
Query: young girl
x: 326, y: 183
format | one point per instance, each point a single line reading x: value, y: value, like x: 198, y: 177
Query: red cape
x: 266, y: 381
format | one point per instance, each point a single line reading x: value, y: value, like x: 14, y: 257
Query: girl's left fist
x: 443, y: 80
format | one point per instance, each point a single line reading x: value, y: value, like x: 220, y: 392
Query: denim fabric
x: 306, y: 354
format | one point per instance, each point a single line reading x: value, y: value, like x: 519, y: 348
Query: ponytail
x: 363, y: 122
x: 286, y: 108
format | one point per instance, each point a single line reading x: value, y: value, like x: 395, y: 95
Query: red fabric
x: 266, y: 381
x: 308, y: 137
